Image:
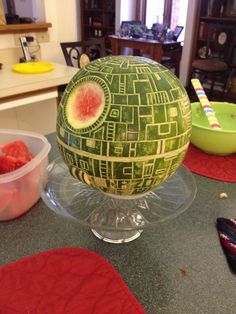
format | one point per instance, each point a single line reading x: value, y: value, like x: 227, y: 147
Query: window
x: 169, y: 12
x: 178, y: 13
x: 154, y: 12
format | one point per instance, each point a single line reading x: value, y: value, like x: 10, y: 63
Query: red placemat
x: 222, y: 168
x: 68, y: 281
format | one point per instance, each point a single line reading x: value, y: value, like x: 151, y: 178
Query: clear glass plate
x: 115, y: 219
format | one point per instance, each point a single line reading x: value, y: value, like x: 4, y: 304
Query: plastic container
x: 19, y: 189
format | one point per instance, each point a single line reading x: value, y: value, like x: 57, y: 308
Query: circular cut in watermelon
x: 124, y: 125
x: 85, y: 105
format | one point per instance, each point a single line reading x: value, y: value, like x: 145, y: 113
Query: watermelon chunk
x: 13, y: 155
x: 9, y: 163
x: 17, y: 149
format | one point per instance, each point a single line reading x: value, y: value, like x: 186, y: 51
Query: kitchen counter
x: 29, y: 101
x: 13, y: 83
x: 177, y: 267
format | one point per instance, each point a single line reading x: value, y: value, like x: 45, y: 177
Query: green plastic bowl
x: 214, y: 141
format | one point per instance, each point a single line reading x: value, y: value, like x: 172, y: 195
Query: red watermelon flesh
x: 13, y: 155
x: 20, y: 194
x: 17, y: 149
x: 9, y: 164
x: 88, y: 102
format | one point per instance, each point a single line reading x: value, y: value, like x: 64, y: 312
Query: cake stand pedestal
x: 115, y: 219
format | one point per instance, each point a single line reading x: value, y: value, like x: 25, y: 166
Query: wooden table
x: 154, y: 48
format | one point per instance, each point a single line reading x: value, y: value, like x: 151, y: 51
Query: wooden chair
x: 93, y: 48
x: 172, y: 56
x: 172, y: 53
x: 213, y: 63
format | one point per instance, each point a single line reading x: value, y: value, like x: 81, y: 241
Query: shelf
x: 100, y: 27
x: 202, y: 39
x: 29, y: 27
x: 99, y: 11
x: 218, y: 19
x: 103, y: 15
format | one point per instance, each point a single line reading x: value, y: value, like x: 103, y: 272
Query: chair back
x: 93, y: 48
x: 171, y: 56
x: 220, y: 42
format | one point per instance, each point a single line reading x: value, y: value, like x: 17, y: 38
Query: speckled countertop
x: 178, y: 267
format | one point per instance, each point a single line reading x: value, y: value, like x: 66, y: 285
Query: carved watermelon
x: 124, y: 124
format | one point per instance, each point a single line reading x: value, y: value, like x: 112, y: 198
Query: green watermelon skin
x: 142, y: 134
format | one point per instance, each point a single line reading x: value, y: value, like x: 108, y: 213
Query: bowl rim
x: 20, y: 172
x: 194, y: 104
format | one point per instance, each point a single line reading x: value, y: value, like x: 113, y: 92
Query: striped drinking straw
x: 205, y: 104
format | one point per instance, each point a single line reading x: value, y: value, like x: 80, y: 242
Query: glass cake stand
x: 115, y: 219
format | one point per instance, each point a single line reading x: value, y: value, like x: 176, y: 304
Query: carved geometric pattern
x: 143, y: 133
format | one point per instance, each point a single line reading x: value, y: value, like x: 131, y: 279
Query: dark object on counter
x: 26, y: 20
x: 227, y: 233
x: 1, y: 66
x: 12, y: 18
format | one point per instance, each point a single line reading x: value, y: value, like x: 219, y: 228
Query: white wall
x: 39, y: 11
x: 128, y: 10
x: 65, y: 18
x: 24, y: 8
x: 125, y: 11
x: 188, y: 41
x: 31, y: 8
x: 117, y: 16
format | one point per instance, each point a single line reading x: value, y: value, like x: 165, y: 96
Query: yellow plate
x: 32, y: 67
